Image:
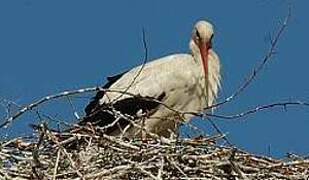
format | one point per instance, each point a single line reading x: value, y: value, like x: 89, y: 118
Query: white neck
x: 214, y: 77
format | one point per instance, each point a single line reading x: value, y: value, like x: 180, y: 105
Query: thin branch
x: 56, y: 164
x: 73, y: 108
x: 43, y: 100
x: 6, y: 104
x: 261, y: 108
x: 68, y: 155
x: 141, y: 67
x: 214, y: 125
x: 252, y: 76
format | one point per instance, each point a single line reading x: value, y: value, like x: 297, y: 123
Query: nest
x: 90, y: 155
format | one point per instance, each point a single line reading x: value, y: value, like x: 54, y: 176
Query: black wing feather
x: 129, y: 106
x: 95, y: 100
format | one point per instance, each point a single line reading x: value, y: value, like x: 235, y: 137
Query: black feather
x: 95, y: 100
x: 128, y: 106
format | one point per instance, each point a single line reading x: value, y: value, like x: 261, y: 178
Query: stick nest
x: 87, y: 155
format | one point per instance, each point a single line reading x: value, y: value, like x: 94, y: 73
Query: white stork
x: 183, y: 82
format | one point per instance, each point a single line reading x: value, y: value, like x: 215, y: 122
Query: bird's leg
x: 177, y: 130
x: 178, y: 121
x: 143, y: 133
x: 144, y: 116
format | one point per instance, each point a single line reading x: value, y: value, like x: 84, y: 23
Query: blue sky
x: 52, y: 46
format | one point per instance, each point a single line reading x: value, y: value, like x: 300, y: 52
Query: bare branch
x: 251, y: 77
x: 73, y: 108
x: 261, y: 108
x: 141, y: 68
x: 43, y: 100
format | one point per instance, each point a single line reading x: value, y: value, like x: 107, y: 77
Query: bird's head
x: 201, y: 42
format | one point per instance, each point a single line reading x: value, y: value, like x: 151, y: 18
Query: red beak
x: 204, y: 47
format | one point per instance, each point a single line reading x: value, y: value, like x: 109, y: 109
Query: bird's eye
x: 198, y: 36
x: 211, y: 37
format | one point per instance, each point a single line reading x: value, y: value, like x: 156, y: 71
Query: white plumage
x: 184, y: 82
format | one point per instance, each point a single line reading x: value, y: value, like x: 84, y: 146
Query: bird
x: 157, y: 94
